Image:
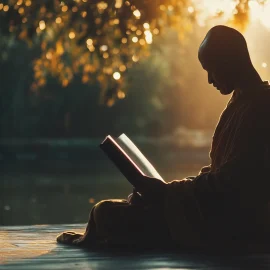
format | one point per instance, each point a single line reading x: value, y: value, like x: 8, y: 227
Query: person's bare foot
x: 70, y: 238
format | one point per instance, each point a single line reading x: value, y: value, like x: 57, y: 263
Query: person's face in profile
x: 220, y: 75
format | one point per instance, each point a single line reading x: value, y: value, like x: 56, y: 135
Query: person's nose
x: 210, y: 78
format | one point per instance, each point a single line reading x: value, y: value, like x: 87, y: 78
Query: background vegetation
x: 74, y: 71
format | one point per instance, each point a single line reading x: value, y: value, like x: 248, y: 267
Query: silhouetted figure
x: 226, y: 204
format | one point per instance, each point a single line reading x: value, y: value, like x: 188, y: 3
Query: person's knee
x: 101, y: 210
x: 104, y: 204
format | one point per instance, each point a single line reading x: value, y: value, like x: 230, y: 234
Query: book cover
x: 128, y: 159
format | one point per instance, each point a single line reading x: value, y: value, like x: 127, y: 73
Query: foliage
x: 100, y: 40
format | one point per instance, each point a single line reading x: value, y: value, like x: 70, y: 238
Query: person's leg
x: 117, y: 223
x: 122, y: 224
x: 73, y: 238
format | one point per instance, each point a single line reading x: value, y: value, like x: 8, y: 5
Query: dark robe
x: 228, y: 201
x: 225, y: 205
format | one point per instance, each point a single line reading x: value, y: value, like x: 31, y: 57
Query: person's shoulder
x: 262, y: 101
x: 263, y: 95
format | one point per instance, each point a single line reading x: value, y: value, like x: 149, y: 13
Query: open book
x: 128, y: 159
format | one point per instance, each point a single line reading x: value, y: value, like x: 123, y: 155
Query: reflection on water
x: 39, y: 198
x: 59, y: 182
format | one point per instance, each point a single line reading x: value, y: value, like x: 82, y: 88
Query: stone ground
x: 34, y: 247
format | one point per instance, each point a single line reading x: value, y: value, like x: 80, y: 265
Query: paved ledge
x: 34, y: 247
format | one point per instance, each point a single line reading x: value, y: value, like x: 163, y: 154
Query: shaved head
x: 224, y: 44
x: 224, y: 55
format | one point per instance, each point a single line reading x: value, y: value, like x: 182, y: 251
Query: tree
x: 100, y: 40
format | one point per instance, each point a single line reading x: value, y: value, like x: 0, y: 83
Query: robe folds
x: 227, y: 202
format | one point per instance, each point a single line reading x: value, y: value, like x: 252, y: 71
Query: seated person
x: 226, y: 204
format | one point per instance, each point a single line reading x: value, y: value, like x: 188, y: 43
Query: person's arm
x: 230, y: 176
x: 243, y: 173
x: 249, y: 167
x: 246, y: 173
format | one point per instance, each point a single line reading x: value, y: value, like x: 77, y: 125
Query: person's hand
x: 135, y: 198
x: 151, y: 189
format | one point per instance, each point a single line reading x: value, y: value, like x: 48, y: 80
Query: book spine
x: 123, y: 162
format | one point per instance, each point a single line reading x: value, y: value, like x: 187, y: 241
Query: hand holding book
x: 135, y: 167
x: 151, y: 189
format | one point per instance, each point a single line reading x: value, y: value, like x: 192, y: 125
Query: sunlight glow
x: 102, y: 5
x: 122, y: 68
x: 89, y: 42
x: 42, y: 25
x: 156, y: 31
x: 162, y: 7
x: 137, y: 13
x: 260, y: 13
x: 135, y: 39
x: 142, y: 41
x: 84, y: 14
x: 91, y: 48
x: 118, y: 3
x: 58, y: 20
x: 135, y: 58
x: 124, y: 40
x: 49, y: 55
x: 64, y: 8
x: 121, y: 94
x: 148, y: 36
x: 214, y: 8
x: 106, y: 55
x: 190, y: 9
x: 6, y: 8
x: 146, y: 25
x: 72, y: 35
x: 104, y: 48
x: 91, y: 200
x: 116, y: 75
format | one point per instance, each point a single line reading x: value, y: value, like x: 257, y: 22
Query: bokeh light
x: 100, y: 33
x: 116, y: 75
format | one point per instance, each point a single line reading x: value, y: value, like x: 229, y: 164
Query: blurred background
x: 75, y: 71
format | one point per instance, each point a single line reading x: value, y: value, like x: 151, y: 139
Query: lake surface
x: 40, y: 198
x: 60, y: 185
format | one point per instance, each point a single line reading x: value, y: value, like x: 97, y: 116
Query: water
x: 56, y: 182
x: 56, y: 198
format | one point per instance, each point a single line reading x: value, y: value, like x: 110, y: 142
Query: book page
x: 136, y: 155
